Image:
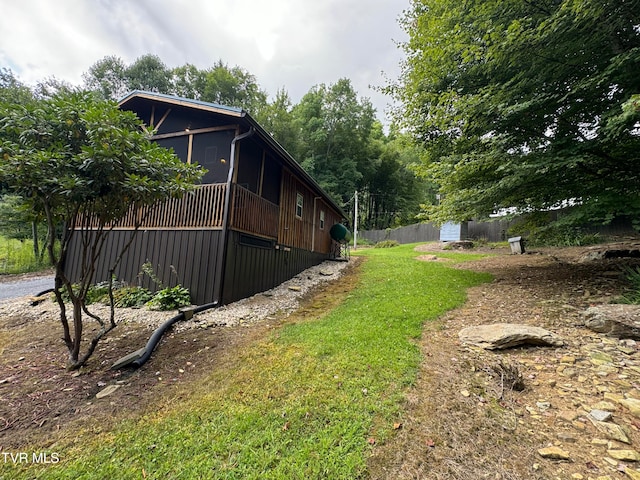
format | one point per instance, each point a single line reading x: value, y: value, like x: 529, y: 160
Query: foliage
x: 234, y: 87
x: 386, y: 244
x: 230, y: 86
x: 304, y: 402
x: 520, y: 108
x: 15, y: 219
x: 335, y: 127
x: 170, y: 298
x: 17, y: 256
x: 540, y: 230
x: 82, y: 163
x: 12, y: 89
x: 108, y: 77
x: 150, y: 73
x: 131, y: 297
x: 632, y: 297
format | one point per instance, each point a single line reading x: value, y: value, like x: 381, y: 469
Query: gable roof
x: 244, y: 119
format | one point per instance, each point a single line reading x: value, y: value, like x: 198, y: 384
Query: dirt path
x: 461, y: 422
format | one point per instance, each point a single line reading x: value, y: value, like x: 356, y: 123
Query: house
x: 257, y: 220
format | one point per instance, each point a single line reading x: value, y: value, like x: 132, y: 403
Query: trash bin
x: 517, y: 244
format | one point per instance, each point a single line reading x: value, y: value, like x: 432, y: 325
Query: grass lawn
x: 309, y: 401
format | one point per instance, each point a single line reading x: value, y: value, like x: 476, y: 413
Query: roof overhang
x: 245, y: 120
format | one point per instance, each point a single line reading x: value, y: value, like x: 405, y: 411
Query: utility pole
x: 355, y: 224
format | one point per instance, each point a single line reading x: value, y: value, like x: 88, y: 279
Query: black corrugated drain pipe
x: 139, y: 357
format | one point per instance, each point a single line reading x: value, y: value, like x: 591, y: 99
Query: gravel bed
x: 281, y: 300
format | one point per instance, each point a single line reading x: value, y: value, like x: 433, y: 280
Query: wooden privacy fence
x: 426, y: 232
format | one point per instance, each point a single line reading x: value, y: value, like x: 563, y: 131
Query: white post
x: 355, y: 224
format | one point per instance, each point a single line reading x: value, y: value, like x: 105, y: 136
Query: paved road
x: 29, y: 286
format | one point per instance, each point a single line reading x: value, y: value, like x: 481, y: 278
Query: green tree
x: 149, y: 73
x: 526, y: 105
x: 82, y: 163
x: 233, y: 87
x: 107, y: 76
x: 392, y: 192
x: 12, y: 89
x: 335, y: 127
x: 277, y: 119
x: 187, y: 81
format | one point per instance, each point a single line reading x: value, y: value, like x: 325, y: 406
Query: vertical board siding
x: 250, y: 270
x: 299, y: 232
x: 192, y: 253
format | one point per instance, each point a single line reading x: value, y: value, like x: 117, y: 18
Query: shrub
x: 170, y: 298
x: 128, y: 297
x: 386, y: 244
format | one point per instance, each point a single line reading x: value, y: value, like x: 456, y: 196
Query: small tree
x: 82, y: 163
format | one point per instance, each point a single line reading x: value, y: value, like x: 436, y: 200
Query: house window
x: 321, y: 219
x: 299, y: 203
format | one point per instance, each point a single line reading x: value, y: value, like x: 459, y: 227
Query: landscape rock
x: 612, y: 431
x: 633, y: 404
x: 555, y: 453
x: 107, y: 391
x: 506, y: 335
x: 600, y: 415
x: 624, y: 455
x: 616, y: 320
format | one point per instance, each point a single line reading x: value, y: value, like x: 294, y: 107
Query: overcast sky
x: 294, y: 44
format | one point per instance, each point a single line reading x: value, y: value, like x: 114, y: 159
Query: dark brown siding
x: 191, y: 253
x: 299, y: 232
x: 293, y: 230
x: 252, y: 269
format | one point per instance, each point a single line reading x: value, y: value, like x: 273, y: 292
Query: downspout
x: 313, y: 232
x: 222, y: 247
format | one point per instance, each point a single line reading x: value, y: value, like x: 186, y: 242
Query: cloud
x: 285, y: 43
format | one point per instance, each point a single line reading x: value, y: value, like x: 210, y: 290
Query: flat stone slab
x: 498, y: 336
x: 615, y: 320
x: 107, y: 391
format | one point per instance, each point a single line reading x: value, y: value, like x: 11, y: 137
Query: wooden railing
x: 253, y: 214
x: 203, y: 208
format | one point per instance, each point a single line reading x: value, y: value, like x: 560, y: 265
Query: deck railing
x: 203, y: 208
x: 251, y: 213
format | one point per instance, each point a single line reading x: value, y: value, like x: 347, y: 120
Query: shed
x: 257, y: 220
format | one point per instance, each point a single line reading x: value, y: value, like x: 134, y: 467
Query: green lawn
x: 306, y: 403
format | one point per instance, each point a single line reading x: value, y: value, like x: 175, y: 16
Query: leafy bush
x: 535, y: 228
x: 563, y: 237
x: 170, y: 298
x: 386, y: 244
x: 128, y: 297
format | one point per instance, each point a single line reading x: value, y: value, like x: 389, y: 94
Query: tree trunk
x: 34, y: 235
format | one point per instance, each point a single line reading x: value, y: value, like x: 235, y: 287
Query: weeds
x: 16, y: 256
x: 633, y: 296
x: 386, y: 244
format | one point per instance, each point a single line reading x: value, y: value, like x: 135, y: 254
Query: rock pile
x: 583, y: 400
